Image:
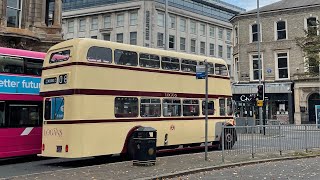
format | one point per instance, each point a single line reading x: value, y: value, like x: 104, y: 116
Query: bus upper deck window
x: 188, y: 65
x: 59, y: 56
x: 11, y: 65
x: 149, y: 61
x: 99, y: 54
x: 211, y: 67
x: 169, y: 63
x: 221, y: 70
x: 128, y: 58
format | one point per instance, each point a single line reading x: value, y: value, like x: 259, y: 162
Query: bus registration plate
x: 59, y: 149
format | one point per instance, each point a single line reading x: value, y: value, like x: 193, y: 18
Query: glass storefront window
x: 14, y: 13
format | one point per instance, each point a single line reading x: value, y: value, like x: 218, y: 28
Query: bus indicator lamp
x: 67, y: 148
x: 43, y: 147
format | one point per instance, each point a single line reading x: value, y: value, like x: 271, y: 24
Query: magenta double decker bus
x: 20, y: 103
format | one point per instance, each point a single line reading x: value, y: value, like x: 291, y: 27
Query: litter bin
x: 145, y: 140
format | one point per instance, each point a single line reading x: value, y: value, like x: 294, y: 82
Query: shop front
x: 278, y: 104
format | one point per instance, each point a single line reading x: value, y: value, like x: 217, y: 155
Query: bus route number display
x: 63, y: 79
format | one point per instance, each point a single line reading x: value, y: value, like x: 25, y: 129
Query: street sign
x: 260, y: 103
x: 200, y: 72
x: 269, y: 70
x: 317, y: 110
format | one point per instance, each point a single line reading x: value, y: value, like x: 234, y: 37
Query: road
x: 30, y: 165
x: 290, y: 169
x: 291, y: 139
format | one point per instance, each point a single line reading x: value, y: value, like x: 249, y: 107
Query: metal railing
x: 237, y: 140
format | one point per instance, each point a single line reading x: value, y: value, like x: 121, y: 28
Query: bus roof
x: 22, y: 53
x: 101, y: 43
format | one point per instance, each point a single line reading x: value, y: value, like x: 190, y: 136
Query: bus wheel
x: 229, y: 138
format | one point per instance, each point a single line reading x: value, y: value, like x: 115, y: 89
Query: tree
x: 310, y: 44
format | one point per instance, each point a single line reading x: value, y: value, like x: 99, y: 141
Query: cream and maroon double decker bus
x: 97, y: 93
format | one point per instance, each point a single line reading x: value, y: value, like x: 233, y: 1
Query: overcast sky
x: 250, y: 4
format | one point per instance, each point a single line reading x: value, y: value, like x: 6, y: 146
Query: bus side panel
x: 20, y: 141
x: 85, y: 140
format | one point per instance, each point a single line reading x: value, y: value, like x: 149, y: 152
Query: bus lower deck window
x: 126, y: 107
x: 171, y: 107
x: 150, y: 107
x: 190, y: 107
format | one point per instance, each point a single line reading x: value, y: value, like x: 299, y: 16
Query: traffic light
x: 260, y: 94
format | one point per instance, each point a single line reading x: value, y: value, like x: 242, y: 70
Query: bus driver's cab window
x: 54, y: 108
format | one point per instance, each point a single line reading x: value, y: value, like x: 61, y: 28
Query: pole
x: 259, y: 59
x: 206, y: 119
x: 166, y: 36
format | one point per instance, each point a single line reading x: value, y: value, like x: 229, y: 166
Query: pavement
x: 166, y: 167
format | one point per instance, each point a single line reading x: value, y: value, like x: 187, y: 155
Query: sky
x: 250, y: 4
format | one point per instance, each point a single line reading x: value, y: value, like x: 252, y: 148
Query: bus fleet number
x: 170, y: 95
x: 63, y: 79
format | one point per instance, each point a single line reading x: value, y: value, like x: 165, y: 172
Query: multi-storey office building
x: 291, y: 94
x: 24, y: 24
x: 193, y: 26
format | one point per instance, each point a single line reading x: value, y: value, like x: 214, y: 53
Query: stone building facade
x: 30, y: 24
x: 194, y: 26
x: 283, y: 69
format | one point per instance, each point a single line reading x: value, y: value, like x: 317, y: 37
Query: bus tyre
x: 229, y: 138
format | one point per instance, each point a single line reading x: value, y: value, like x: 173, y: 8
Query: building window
x: 172, y: 21
x: 312, y: 25
x: 255, y: 67
x: 70, y: 26
x: 171, y: 107
x: 254, y: 31
x: 94, y: 37
x: 193, y: 45
x: 106, y: 37
x: 120, y: 38
x: 220, y: 51
x: 282, y: 65
x: 82, y: 25
x: 193, y: 27
x: 150, y: 107
x: 202, y: 29
x: 14, y: 13
x: 160, y: 19
x: 236, y: 32
x: 202, y: 47
x: 228, y: 52
x: 160, y: 40
x: 236, y: 69
x: 120, y: 20
x: 171, y: 41
x: 182, y: 44
x: 133, y: 38
x: 94, y: 23
x: 133, y: 18
x: 281, y: 30
x: 107, y: 22
x: 212, y: 32
x: 211, y: 49
x: 126, y: 107
x: 220, y: 34
x: 183, y: 24
x: 229, y: 36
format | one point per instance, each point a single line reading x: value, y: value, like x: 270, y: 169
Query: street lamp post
x: 259, y: 58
